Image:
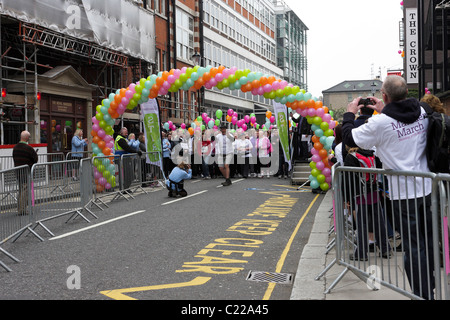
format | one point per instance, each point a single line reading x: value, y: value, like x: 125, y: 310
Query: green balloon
x: 317, y: 121
x: 219, y: 114
x: 321, y: 178
x: 329, y: 133
x: 324, y: 126
x: 315, y: 172
x: 324, y: 186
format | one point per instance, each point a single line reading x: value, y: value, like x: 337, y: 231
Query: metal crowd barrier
x: 132, y: 172
x: 54, y: 193
x: 410, y: 252
x: 31, y: 198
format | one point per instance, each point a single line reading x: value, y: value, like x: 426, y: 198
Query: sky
x: 349, y: 39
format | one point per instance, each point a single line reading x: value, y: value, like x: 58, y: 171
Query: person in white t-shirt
x: 243, y: 148
x: 399, y: 135
x: 224, y: 153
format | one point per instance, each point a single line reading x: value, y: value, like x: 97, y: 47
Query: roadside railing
x: 390, y: 240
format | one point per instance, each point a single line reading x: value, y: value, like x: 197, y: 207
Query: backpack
x: 438, y: 136
x: 370, y: 181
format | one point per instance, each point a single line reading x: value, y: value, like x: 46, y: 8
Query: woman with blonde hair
x: 434, y: 102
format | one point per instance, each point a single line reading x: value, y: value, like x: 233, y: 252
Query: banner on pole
x: 152, y: 131
x: 283, y: 130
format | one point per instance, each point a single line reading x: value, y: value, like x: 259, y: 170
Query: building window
x: 185, y: 35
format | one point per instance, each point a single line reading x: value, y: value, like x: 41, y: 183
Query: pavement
x: 315, y: 259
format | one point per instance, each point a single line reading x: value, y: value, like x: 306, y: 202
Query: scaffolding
x: 27, y: 50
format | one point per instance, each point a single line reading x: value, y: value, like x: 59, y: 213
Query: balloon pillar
x: 195, y: 78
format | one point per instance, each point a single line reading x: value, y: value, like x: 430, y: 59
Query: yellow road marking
x: 119, y: 294
x: 286, y: 250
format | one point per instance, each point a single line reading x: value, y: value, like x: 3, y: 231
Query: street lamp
x: 196, y: 57
x: 374, y: 88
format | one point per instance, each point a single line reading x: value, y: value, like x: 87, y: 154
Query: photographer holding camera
x: 175, y: 182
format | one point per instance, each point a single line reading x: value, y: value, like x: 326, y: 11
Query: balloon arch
x: 257, y: 83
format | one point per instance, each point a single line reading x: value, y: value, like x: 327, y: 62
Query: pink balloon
x: 183, y: 126
x: 276, y: 85
x: 326, y: 117
x: 94, y: 120
x: 311, y: 112
x: 320, y: 165
x: 244, y: 127
x: 320, y: 112
x: 125, y: 101
x: 328, y: 179
x: 316, y: 158
x: 108, y: 186
x: 253, y: 120
x: 102, y: 181
x: 219, y: 77
x: 326, y: 172
x: 314, y: 151
x: 304, y: 112
x: 267, y: 88
x: 246, y: 119
x: 332, y: 124
x: 95, y: 127
x: 272, y: 119
x: 101, y: 133
x: 171, y: 79
x: 129, y: 94
x: 230, y: 112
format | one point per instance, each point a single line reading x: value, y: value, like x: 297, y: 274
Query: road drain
x: 261, y: 276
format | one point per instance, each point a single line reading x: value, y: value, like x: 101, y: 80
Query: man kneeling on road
x: 175, y: 183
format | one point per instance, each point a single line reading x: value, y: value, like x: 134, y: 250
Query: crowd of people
x: 225, y: 153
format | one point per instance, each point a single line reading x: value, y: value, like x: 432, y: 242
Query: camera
x: 366, y: 110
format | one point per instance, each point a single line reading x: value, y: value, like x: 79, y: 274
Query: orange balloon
x: 213, y: 72
x: 118, y: 98
x: 191, y: 131
x: 255, y: 84
x: 100, y: 188
x: 315, y: 139
x: 101, y: 144
x: 94, y: 133
x: 122, y: 92
x: 319, y: 104
x: 229, y: 118
x: 206, y: 76
x: 318, y: 146
x: 268, y: 114
x: 323, y: 153
x: 310, y: 103
x: 165, y: 75
x: 96, y: 139
x: 325, y: 109
x: 106, y: 151
x: 301, y: 104
x: 159, y: 81
x: 263, y: 81
x: 113, y: 105
x: 221, y: 68
x: 271, y: 79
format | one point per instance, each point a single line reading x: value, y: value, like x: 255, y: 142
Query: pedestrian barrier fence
x: 130, y: 171
x: 59, y: 186
x: 387, y: 238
